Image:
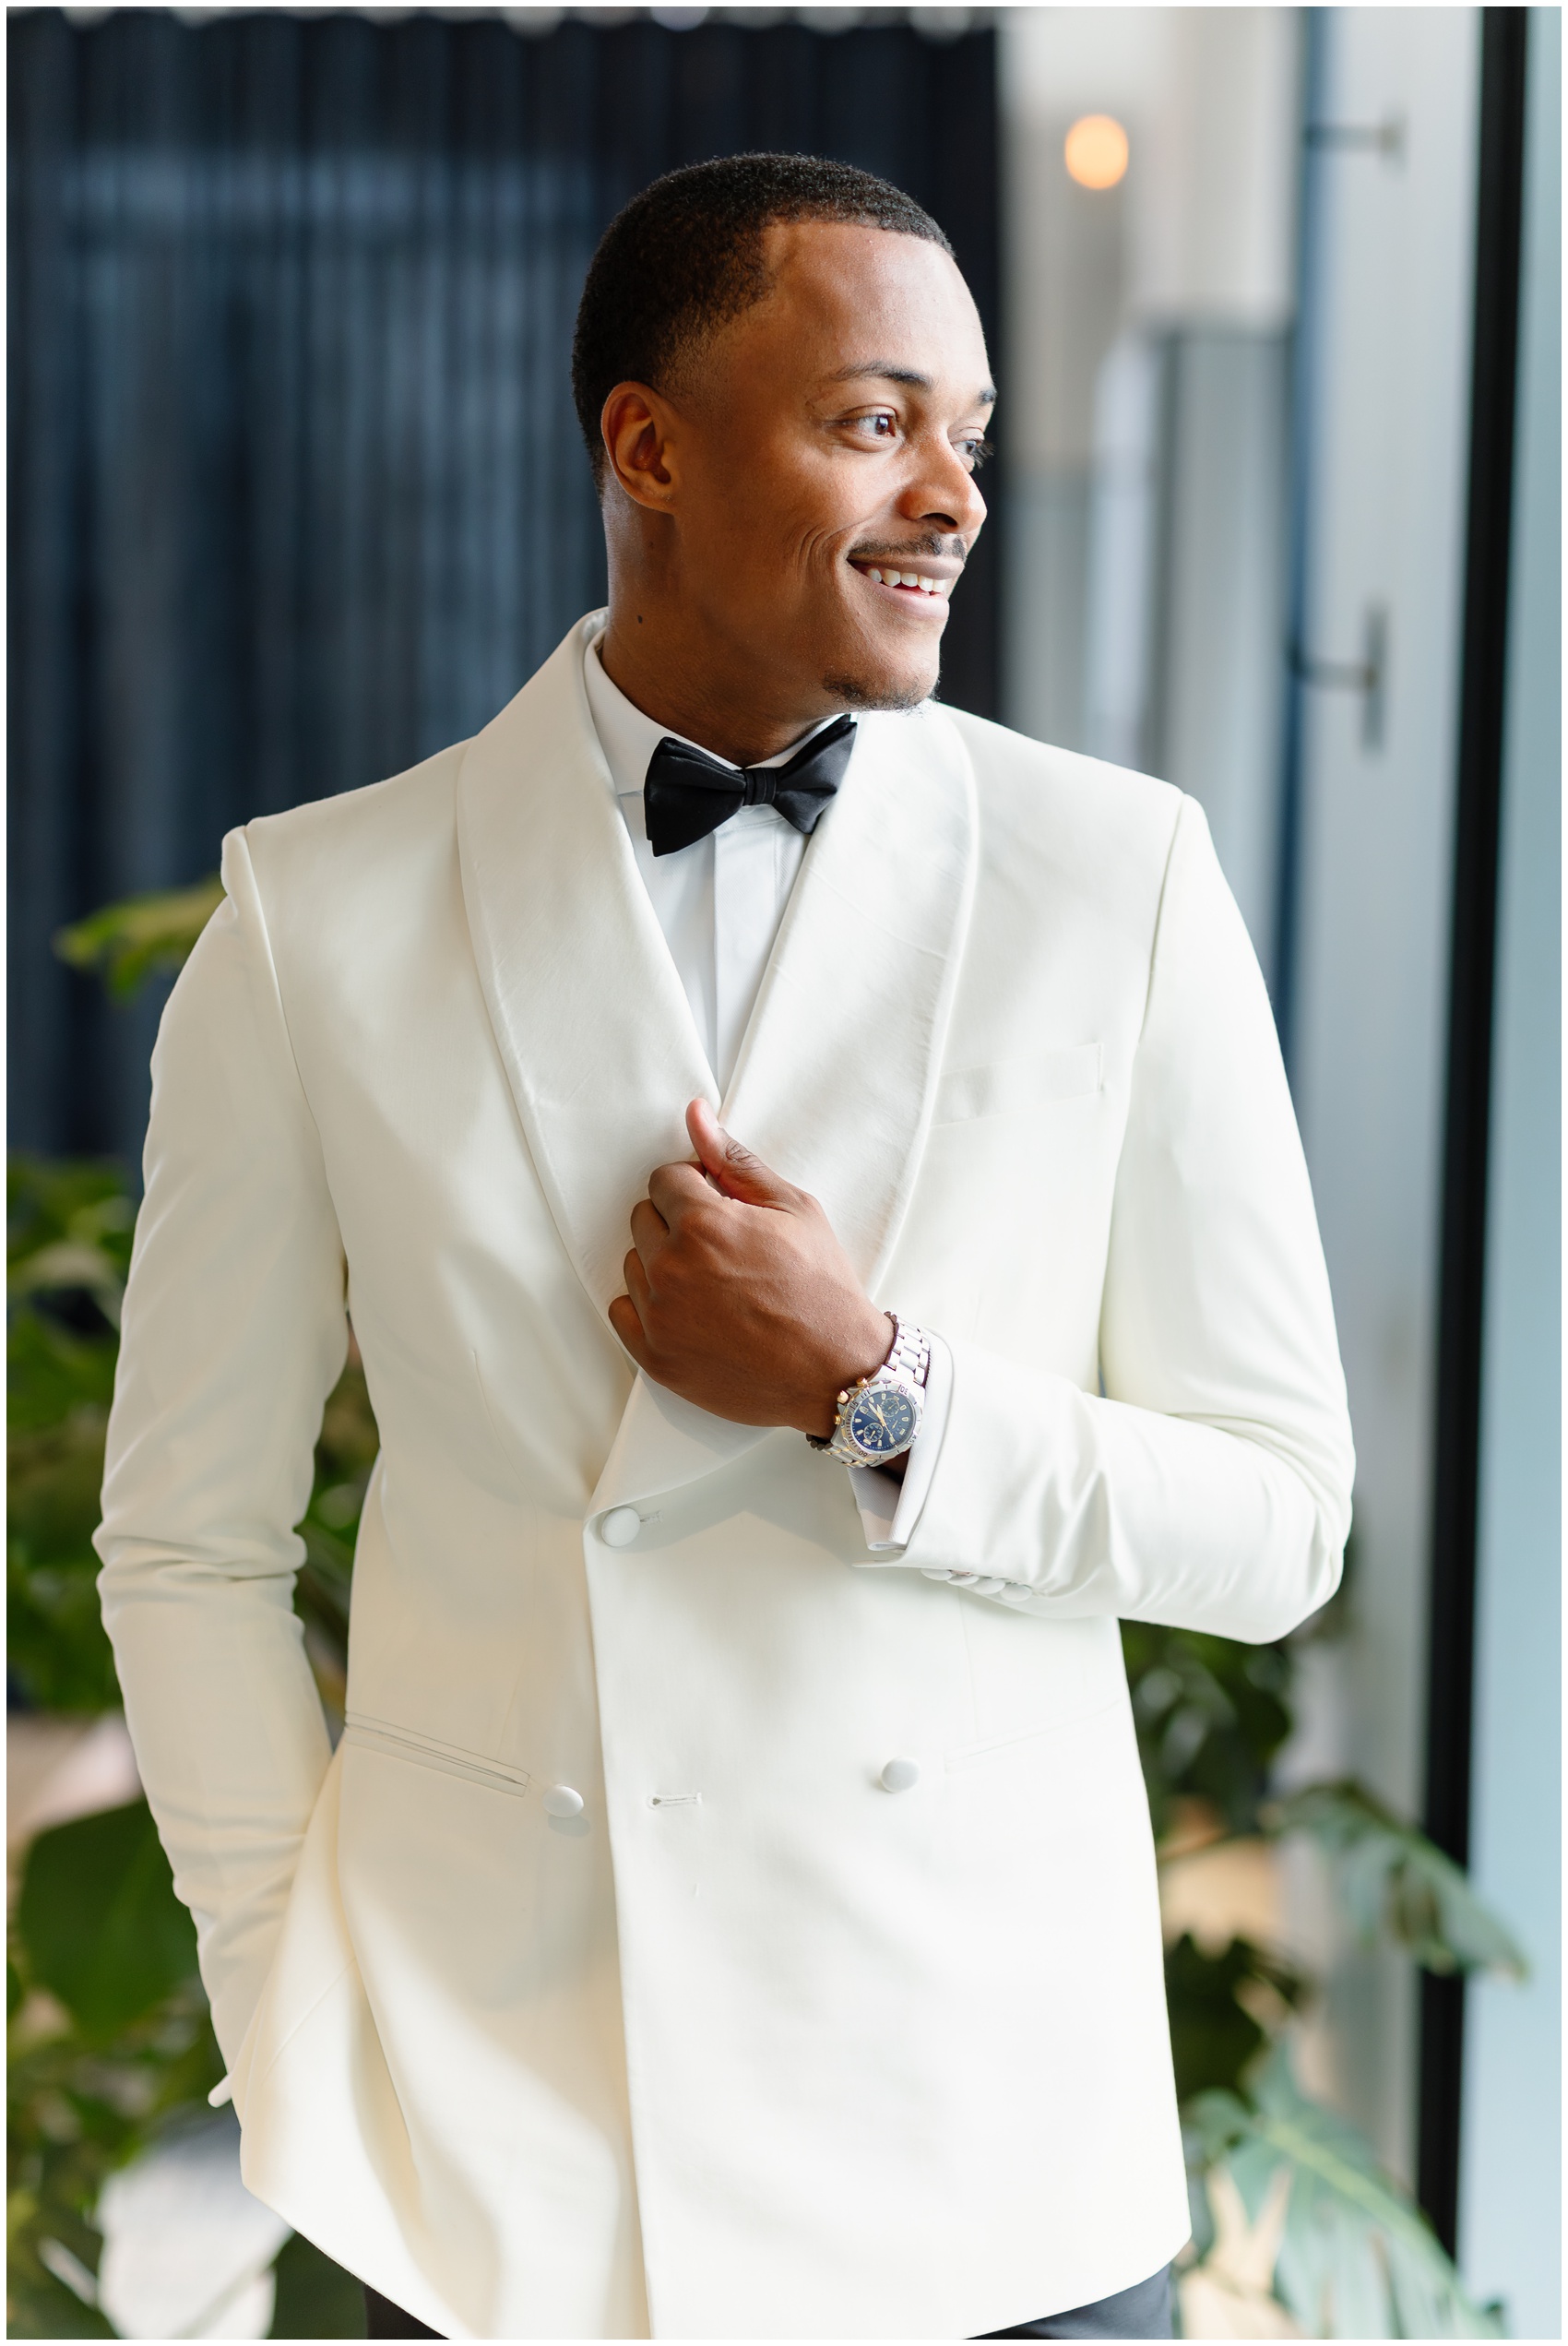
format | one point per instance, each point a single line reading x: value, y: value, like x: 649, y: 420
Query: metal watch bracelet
x: 908, y: 1364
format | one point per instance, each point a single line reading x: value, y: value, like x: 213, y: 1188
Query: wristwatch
x: 879, y: 1417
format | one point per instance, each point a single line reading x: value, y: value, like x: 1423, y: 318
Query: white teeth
x: 906, y: 578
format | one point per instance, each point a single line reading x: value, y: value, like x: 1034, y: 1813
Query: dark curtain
x: 297, y: 495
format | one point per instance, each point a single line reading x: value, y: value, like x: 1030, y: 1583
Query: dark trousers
x: 1143, y: 2311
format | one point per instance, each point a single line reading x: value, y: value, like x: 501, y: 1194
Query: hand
x: 738, y: 1297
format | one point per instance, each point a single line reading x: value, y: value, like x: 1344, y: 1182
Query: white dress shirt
x: 719, y: 903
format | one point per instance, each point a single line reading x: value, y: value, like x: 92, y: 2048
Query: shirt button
x: 562, y: 1801
x: 900, y: 1775
x: 989, y: 1587
x: 620, y: 1527
x: 1013, y: 1594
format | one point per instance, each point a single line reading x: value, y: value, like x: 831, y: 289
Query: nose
x: 942, y: 493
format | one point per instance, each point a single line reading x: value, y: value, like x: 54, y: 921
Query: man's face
x: 822, y: 447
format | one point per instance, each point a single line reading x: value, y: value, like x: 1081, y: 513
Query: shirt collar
x: 628, y: 738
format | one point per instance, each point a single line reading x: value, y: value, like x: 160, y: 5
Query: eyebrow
x: 886, y: 371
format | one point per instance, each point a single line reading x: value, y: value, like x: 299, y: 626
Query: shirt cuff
x: 890, y: 1509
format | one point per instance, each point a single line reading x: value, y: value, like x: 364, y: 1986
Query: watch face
x: 882, y: 1420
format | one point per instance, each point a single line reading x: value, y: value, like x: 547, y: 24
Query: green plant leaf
x: 1211, y: 1715
x: 70, y: 1264
x: 1392, y: 1879
x: 128, y: 942
x: 315, y: 2298
x: 50, y: 1199
x: 1358, y: 2258
x: 52, y: 1372
x: 57, y: 1653
x: 99, y: 1920
x: 75, y: 2112
x: 1214, y: 2036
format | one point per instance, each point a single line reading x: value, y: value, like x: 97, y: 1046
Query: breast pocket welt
x: 1014, y: 1086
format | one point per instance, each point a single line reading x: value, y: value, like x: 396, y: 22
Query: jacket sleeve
x: 234, y: 1332
x: 1209, y: 1485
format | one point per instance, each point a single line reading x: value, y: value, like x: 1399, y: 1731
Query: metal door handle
x: 1367, y: 675
x: 1386, y: 139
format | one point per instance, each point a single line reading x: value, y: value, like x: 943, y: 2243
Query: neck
x: 704, y: 700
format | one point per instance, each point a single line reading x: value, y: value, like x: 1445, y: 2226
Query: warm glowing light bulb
x: 1096, y: 152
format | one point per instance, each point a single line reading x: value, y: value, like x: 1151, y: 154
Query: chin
x: 869, y: 684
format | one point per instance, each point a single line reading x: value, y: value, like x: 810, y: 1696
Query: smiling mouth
x: 916, y: 583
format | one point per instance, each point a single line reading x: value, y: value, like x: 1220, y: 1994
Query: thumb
x: 732, y: 1168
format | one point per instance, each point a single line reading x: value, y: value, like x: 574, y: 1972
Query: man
x: 731, y: 1910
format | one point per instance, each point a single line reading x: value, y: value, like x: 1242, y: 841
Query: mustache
x: 941, y: 549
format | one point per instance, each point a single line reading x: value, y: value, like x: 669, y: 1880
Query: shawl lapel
x: 837, y: 1073
x: 589, y: 1016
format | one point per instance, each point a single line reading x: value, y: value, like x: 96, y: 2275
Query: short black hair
x: 685, y: 256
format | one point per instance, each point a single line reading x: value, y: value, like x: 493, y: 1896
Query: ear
x: 638, y: 429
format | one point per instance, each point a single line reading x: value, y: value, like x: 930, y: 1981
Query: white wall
x: 1207, y: 96
x: 1218, y: 716
x: 1511, y: 2182
x: 1200, y: 229
x: 1183, y: 276
x: 1144, y: 407
x: 1064, y: 261
x: 1388, y: 418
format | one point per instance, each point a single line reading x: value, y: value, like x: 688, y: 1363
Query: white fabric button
x: 1012, y: 1594
x: 620, y: 1527
x: 900, y: 1775
x: 989, y: 1587
x: 562, y: 1801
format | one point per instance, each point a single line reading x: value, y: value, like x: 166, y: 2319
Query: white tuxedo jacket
x: 752, y: 2046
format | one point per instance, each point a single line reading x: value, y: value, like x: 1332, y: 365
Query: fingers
x: 649, y: 1228
x: 674, y: 1190
x: 638, y: 1286
x: 629, y: 1329
x: 735, y: 1168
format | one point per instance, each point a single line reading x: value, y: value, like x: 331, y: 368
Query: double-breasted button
x: 562, y: 1801
x: 620, y: 1527
x: 900, y: 1775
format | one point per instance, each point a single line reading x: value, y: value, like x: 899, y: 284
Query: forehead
x: 842, y: 296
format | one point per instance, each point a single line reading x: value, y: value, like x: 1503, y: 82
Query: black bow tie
x: 687, y: 793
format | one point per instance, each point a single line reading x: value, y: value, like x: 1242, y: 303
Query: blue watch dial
x: 882, y: 1420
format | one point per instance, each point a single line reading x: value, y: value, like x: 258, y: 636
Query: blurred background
x: 296, y: 497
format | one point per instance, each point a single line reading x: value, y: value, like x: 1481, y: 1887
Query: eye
x: 881, y: 425
x: 976, y: 449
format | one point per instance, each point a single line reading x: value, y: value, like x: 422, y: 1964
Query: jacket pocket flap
x: 401, y: 1743
x: 1030, y: 1081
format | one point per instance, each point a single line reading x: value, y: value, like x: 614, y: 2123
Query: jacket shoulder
x: 345, y: 888
x: 1051, y: 819
x: 1018, y: 777
x: 357, y: 831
